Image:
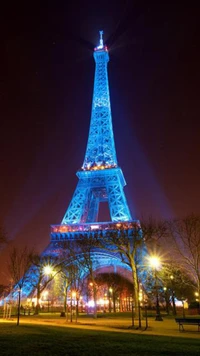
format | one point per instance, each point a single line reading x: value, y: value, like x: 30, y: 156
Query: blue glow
x: 100, y: 178
x: 101, y: 40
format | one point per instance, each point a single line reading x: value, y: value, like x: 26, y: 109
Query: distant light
x: 45, y: 293
x: 94, y: 227
x: 180, y: 303
x: 91, y: 303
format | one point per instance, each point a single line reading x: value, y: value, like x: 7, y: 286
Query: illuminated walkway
x: 166, y: 328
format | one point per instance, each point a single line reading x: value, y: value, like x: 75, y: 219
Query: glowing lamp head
x: 154, y: 262
x: 47, y: 270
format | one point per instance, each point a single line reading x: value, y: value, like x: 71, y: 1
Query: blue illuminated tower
x: 100, y: 179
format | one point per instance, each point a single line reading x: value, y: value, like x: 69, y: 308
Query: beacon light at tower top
x: 101, y: 45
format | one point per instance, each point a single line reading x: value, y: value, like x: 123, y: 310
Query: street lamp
x: 155, y: 264
x: 110, y: 298
x: 47, y: 270
x: 46, y: 298
x: 173, y: 294
x: 19, y: 302
x: 198, y: 301
x: 167, y: 298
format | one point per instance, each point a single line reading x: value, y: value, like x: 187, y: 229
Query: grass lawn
x: 31, y: 340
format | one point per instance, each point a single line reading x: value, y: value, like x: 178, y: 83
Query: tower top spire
x: 101, y: 39
x: 101, y: 45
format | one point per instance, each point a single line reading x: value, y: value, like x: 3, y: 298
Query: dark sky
x: 46, y: 88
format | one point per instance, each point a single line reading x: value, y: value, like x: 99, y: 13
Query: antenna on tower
x: 101, y: 40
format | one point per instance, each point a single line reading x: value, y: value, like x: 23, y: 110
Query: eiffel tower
x: 100, y: 180
x: 100, y: 177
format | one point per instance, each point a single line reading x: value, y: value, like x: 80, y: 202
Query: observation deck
x: 70, y: 231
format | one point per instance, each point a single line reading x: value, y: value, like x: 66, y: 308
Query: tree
x: 116, y: 287
x: 19, y: 263
x: 70, y: 279
x: 43, y: 270
x: 129, y: 245
x: 154, y: 232
x: 132, y: 244
x: 76, y: 283
x: 82, y: 251
x: 61, y: 285
x: 183, y: 240
x: 176, y: 284
x: 172, y: 283
x: 4, y: 290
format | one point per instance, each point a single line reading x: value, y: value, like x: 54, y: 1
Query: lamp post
x: 197, y: 300
x: 167, y: 298
x: 110, y: 299
x: 155, y: 264
x: 48, y: 271
x: 48, y: 301
x: 72, y: 304
x: 19, y: 302
x: 173, y: 295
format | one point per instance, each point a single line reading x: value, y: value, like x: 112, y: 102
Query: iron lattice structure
x: 100, y: 179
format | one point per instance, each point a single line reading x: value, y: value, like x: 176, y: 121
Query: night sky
x: 46, y: 86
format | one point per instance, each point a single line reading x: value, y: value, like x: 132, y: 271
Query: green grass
x: 45, y: 340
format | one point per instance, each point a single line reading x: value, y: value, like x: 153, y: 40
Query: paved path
x: 167, y: 327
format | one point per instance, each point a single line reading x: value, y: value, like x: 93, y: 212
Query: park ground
x: 49, y: 334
